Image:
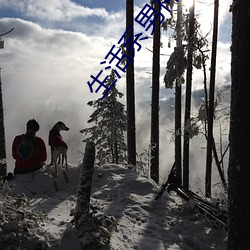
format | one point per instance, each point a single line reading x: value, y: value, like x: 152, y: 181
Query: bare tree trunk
x: 239, y: 159
x: 178, y: 160
x: 211, y: 102
x: 3, y: 162
x: 116, y: 152
x: 93, y: 231
x: 130, y: 82
x: 188, y: 98
x: 154, y: 168
x: 81, y: 215
x: 218, y: 164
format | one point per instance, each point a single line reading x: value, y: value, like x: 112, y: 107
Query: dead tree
x: 92, y: 228
x: 211, y: 103
x: 84, y: 187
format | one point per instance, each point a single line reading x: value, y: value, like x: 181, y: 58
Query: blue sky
x: 57, y: 44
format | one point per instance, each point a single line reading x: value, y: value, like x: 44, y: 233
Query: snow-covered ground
x: 141, y: 221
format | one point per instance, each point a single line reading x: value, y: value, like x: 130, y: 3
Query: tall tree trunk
x: 3, y: 161
x: 188, y: 97
x: 239, y: 159
x: 211, y: 102
x: 130, y: 82
x: 154, y: 168
x: 178, y: 100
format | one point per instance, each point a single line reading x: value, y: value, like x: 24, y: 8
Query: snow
x: 141, y: 221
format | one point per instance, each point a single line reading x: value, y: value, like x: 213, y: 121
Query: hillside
x: 141, y: 221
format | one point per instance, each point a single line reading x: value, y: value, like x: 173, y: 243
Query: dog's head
x: 61, y: 126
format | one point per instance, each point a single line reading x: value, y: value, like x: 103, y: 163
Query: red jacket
x: 55, y: 139
x: 37, y: 159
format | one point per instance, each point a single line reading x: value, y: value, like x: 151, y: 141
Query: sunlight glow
x: 187, y: 3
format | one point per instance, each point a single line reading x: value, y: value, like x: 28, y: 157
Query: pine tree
x: 187, y: 111
x: 175, y: 69
x: 189, y: 53
x: 178, y: 93
x: 110, y: 124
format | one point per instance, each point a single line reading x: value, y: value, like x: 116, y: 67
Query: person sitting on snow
x: 29, y: 150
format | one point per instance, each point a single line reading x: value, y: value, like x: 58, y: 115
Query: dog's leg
x: 59, y: 159
x: 56, y: 170
x: 66, y: 161
x: 55, y: 158
x: 51, y: 155
x: 63, y: 157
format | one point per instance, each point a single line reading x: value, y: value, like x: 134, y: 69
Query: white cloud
x: 54, y: 59
x: 55, y: 10
x: 45, y: 71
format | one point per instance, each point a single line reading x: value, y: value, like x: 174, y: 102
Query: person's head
x: 32, y: 125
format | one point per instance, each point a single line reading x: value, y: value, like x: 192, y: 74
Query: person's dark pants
x: 25, y: 171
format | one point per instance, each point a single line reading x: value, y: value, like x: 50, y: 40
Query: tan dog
x: 57, y: 145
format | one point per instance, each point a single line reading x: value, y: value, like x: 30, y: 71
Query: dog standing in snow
x: 58, y: 146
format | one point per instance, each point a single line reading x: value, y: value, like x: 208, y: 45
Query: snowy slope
x: 141, y: 221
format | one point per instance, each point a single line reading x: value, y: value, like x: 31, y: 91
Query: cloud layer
x: 55, y: 10
x: 53, y: 50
